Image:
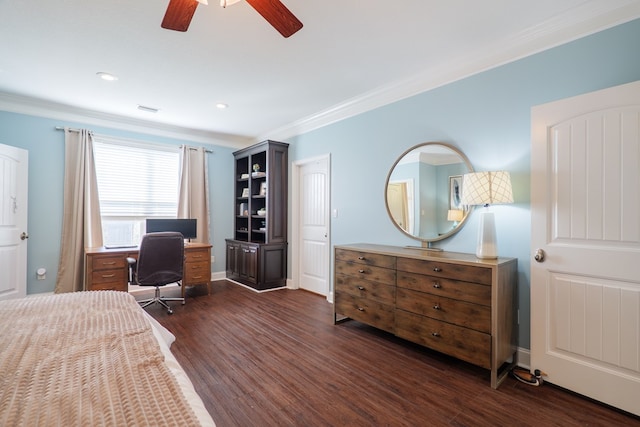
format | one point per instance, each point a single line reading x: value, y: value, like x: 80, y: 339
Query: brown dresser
x: 450, y: 302
x: 107, y: 269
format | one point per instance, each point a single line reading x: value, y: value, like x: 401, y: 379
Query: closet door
x: 585, y: 271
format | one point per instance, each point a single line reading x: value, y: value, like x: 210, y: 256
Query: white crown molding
x: 590, y: 17
x: 52, y: 110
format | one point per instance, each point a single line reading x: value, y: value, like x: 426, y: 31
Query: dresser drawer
x: 466, y: 314
x: 197, y: 272
x: 102, y: 262
x: 365, y: 289
x: 109, y: 276
x: 115, y: 279
x: 462, y: 343
x: 109, y: 286
x: 366, y: 272
x: 367, y: 258
x: 467, y: 273
x: 450, y: 288
x: 365, y: 310
x: 197, y: 255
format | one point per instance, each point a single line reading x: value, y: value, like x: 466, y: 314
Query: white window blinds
x: 136, y: 179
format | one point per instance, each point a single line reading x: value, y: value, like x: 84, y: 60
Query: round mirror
x: 423, y: 191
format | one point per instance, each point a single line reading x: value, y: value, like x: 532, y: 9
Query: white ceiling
x: 350, y: 56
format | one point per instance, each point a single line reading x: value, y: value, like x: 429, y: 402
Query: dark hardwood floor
x: 276, y: 359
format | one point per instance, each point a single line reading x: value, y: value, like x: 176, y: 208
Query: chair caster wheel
x: 170, y: 311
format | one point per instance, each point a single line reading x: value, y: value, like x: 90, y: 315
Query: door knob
x: 24, y: 236
x: 539, y: 255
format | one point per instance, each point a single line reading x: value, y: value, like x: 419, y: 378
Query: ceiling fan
x: 179, y: 13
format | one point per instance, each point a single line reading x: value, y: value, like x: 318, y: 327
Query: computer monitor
x: 185, y: 226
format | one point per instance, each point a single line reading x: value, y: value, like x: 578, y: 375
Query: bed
x: 91, y: 358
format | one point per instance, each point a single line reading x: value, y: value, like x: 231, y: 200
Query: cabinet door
x: 233, y: 255
x: 249, y: 263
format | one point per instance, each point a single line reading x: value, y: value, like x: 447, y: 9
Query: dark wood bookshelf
x: 257, y: 254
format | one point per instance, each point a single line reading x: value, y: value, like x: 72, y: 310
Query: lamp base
x: 487, y: 247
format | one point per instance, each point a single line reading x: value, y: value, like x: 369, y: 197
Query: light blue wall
x: 487, y: 116
x: 46, y: 172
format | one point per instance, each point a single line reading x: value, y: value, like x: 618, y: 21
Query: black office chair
x: 160, y: 262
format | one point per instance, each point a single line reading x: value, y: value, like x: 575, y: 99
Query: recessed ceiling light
x: 147, y: 109
x: 222, y: 105
x: 107, y: 76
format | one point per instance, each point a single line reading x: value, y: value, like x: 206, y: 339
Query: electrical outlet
x: 213, y: 259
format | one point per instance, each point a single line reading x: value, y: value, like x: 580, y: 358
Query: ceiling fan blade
x: 178, y: 15
x: 277, y: 15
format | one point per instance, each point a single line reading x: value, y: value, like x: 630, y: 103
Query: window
x: 136, y: 181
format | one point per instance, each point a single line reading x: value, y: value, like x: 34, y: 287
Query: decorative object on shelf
x: 256, y: 167
x: 263, y: 188
x: 244, y: 209
x: 455, y: 191
x: 245, y: 192
x: 244, y: 176
x: 262, y: 212
x: 455, y: 215
x: 487, y: 188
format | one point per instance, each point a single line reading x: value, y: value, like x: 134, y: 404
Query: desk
x: 107, y: 269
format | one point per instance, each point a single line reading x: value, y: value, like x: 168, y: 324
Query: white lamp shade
x: 486, y: 188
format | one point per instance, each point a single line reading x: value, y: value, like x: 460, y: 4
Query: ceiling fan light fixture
x: 225, y: 3
x: 222, y: 106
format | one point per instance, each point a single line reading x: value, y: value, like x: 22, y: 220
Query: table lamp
x: 486, y: 188
x: 455, y: 215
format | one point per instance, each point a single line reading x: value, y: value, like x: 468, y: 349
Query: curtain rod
x: 78, y: 130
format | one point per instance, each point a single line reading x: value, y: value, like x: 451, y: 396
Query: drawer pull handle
x: 437, y: 285
x: 437, y: 269
x: 360, y: 309
x: 361, y: 258
x: 435, y: 334
x: 108, y: 263
x: 360, y: 271
x: 108, y: 276
x: 436, y: 307
x: 197, y: 277
x: 361, y: 288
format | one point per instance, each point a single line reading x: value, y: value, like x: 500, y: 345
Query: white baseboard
x: 218, y: 275
x: 524, y: 357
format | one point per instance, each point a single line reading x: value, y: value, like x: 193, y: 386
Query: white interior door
x: 13, y: 221
x: 313, y: 218
x: 585, y: 207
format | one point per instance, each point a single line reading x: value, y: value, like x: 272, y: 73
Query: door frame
x: 296, y: 189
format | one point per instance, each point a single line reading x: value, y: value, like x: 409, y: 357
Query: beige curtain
x: 81, y: 225
x: 193, y: 201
